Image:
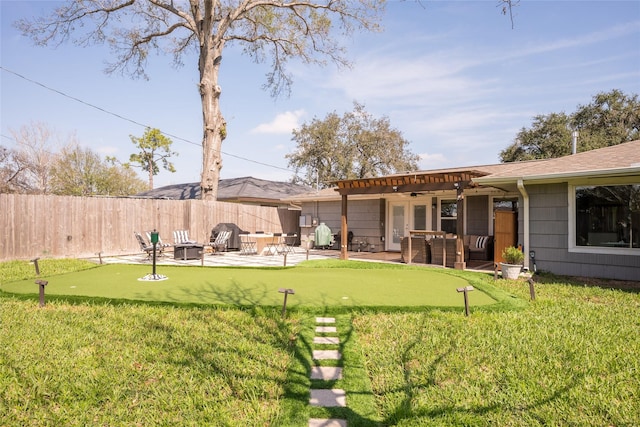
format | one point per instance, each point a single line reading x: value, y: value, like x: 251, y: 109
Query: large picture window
x: 608, y: 216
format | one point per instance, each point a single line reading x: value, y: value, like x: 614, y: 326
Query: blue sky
x: 452, y: 76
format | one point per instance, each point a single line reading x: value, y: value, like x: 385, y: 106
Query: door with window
x: 405, y: 216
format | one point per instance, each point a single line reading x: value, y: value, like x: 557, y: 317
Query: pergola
x: 454, y: 179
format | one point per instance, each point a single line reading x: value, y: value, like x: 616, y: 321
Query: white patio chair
x: 181, y: 237
x: 221, y: 240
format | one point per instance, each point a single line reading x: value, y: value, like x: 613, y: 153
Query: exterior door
x: 505, y: 232
x: 398, y: 224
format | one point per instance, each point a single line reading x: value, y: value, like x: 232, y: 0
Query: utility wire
x: 133, y: 121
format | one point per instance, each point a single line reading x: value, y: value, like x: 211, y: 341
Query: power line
x: 133, y: 121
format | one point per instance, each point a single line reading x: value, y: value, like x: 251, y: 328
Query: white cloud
x: 431, y: 161
x: 283, y: 123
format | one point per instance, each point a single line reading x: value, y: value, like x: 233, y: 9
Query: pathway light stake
x: 42, y: 284
x: 286, y: 293
x: 466, y: 299
x: 35, y: 264
x: 532, y: 290
x: 532, y: 255
x: 285, y: 259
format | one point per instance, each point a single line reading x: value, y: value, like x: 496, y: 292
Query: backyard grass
x: 568, y: 358
x: 571, y: 358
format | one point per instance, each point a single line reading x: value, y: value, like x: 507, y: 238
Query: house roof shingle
x: 613, y: 160
x: 616, y: 160
x: 234, y: 189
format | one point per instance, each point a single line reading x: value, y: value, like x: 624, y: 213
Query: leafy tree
x: 155, y: 148
x: 273, y: 30
x: 78, y: 171
x: 120, y: 180
x: 611, y: 118
x: 356, y: 145
x: 549, y: 136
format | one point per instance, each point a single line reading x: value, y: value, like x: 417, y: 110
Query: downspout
x: 525, y: 197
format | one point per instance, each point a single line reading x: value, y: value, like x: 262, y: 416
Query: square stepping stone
x: 326, y: 329
x: 328, y: 398
x: 326, y: 340
x: 325, y: 320
x: 328, y: 422
x: 326, y: 355
x: 326, y: 373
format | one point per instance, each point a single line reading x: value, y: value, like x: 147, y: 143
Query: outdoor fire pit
x: 187, y: 251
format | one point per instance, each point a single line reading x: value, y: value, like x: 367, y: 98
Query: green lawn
x: 324, y: 284
x: 568, y: 358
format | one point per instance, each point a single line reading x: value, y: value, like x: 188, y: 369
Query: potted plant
x: 513, y: 259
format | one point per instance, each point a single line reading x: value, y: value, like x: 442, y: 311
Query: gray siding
x: 365, y: 218
x: 548, y: 234
x: 477, y: 214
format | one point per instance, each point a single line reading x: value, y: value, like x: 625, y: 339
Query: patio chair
x: 288, y: 242
x: 275, y: 246
x: 181, y: 237
x: 161, y: 246
x: 144, y: 246
x: 247, y: 246
x: 219, y: 244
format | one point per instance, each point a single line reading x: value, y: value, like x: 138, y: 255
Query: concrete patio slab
x: 326, y: 373
x: 328, y: 398
x: 329, y: 422
x: 326, y: 355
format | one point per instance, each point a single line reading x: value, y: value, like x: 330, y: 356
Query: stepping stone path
x: 326, y: 397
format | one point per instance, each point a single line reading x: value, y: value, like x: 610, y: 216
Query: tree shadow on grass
x: 405, y: 410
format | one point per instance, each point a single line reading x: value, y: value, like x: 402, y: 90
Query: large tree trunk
x: 150, y: 172
x: 214, y: 124
x: 211, y: 46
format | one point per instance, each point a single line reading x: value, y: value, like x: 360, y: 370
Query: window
x: 419, y: 217
x: 607, y: 216
x: 448, y: 216
x: 505, y: 204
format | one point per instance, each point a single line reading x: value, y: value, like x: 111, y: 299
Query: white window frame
x: 439, y: 211
x: 573, y: 248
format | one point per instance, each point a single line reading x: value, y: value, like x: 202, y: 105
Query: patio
x: 237, y: 259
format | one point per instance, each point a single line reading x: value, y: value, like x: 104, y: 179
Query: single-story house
x: 575, y: 215
x: 246, y: 190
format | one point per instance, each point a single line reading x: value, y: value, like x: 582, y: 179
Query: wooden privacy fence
x: 65, y: 226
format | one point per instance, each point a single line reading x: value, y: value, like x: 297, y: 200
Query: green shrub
x: 512, y: 255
